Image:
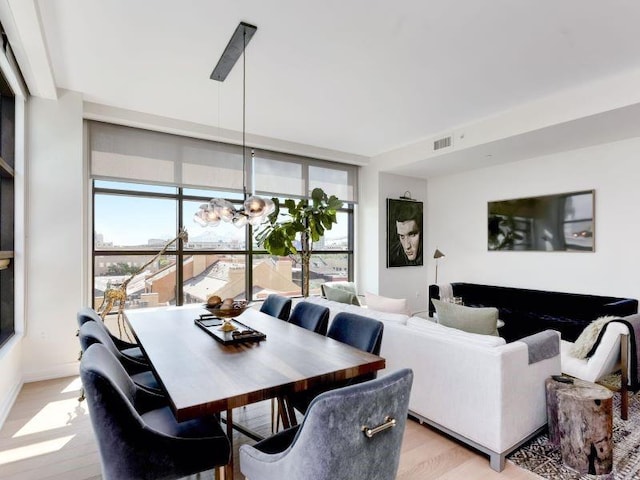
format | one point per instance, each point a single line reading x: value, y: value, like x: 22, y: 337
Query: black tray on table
x: 242, y: 334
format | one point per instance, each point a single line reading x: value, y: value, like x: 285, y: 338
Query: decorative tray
x: 241, y: 334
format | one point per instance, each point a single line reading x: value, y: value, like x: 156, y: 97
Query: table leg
x: 282, y: 412
x: 228, y: 474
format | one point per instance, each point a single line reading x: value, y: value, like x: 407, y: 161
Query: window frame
x: 181, y: 252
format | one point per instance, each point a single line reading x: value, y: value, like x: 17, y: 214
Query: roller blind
x: 130, y: 154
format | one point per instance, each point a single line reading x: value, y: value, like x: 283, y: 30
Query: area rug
x: 541, y: 458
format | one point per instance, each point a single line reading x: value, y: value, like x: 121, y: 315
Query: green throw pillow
x: 340, y: 295
x: 474, y: 320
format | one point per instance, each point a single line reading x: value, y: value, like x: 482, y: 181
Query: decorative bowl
x: 236, y: 309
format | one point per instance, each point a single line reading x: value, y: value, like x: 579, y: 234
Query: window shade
x: 130, y: 154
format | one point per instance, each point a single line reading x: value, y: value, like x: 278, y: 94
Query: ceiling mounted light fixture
x: 255, y: 209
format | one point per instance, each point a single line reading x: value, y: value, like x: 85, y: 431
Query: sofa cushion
x: 340, y: 295
x: 473, y: 320
x: 399, y: 318
x: 337, y: 307
x: 386, y: 304
x: 432, y: 328
x: 583, y: 346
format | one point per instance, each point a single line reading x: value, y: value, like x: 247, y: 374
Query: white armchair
x: 611, y: 355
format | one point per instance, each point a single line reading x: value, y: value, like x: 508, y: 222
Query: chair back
x: 87, y: 314
x: 277, y: 306
x: 96, y: 332
x: 310, y: 316
x: 357, y: 331
x: 92, y: 332
x: 131, y: 446
x: 346, y: 434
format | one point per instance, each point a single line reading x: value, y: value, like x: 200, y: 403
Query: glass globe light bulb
x: 254, y: 206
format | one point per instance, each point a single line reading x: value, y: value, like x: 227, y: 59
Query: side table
x: 580, y: 416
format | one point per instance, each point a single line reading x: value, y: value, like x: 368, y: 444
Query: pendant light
x: 255, y: 209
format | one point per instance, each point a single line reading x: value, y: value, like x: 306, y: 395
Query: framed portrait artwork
x: 404, y: 233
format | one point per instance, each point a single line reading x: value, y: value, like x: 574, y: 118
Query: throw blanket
x: 633, y: 324
x: 542, y: 345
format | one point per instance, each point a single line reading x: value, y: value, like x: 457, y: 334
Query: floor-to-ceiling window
x: 148, y: 185
x: 7, y: 209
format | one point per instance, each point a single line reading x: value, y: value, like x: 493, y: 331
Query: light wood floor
x: 48, y: 435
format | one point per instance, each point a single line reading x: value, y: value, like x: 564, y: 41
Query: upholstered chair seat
x: 138, y: 436
x: 277, y: 306
x: 331, y: 444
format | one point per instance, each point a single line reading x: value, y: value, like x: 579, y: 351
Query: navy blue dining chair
x: 138, y: 436
x: 360, y: 332
x: 87, y: 314
x: 353, y: 432
x: 310, y: 316
x: 140, y: 373
x: 277, y: 306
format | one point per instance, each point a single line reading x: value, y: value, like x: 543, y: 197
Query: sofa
x: 476, y: 388
x: 525, y: 312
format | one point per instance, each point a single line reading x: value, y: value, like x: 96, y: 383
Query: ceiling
x: 361, y: 77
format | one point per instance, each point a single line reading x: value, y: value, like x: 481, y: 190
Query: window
x: 7, y: 208
x: 138, y: 208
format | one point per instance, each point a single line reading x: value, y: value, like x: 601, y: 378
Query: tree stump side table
x: 552, y: 385
x: 585, y: 427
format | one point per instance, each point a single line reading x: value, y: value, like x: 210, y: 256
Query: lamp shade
x: 438, y: 254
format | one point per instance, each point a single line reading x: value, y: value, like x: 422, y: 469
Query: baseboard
x: 9, y: 401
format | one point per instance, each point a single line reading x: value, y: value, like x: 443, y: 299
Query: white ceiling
x: 362, y: 77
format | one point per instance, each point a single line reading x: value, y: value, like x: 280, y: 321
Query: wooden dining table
x: 203, y: 376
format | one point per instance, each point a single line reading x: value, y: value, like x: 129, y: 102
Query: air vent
x: 442, y: 143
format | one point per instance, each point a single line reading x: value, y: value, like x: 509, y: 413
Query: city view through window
x: 133, y: 222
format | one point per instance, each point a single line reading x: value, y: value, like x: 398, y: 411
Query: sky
x: 129, y: 221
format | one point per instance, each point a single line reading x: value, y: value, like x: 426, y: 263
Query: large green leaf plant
x: 304, y: 220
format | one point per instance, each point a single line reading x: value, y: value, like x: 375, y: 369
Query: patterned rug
x: 539, y: 457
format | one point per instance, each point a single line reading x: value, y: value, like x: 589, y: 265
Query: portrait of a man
x: 404, y: 233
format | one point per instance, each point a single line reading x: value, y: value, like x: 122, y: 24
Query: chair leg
x: 274, y: 427
x: 624, y: 380
x: 282, y: 413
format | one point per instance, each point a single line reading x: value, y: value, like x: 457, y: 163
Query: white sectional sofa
x: 473, y: 387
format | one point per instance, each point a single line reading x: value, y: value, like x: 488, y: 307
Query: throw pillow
x: 482, y: 320
x: 386, y: 304
x: 340, y: 295
x: 345, y: 286
x: 587, y: 339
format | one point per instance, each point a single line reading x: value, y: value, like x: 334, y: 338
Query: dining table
x: 202, y: 375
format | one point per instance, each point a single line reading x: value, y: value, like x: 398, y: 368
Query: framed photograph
x: 563, y: 222
x: 404, y: 233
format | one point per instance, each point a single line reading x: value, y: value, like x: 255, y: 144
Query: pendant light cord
x: 244, y: 112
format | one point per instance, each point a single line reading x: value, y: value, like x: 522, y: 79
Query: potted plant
x: 303, y: 220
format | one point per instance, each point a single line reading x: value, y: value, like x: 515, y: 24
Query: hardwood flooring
x: 48, y: 435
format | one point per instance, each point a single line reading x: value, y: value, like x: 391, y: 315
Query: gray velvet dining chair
x: 138, y: 436
x: 310, y: 316
x: 353, y: 432
x: 277, y: 306
x: 88, y: 314
x: 140, y: 373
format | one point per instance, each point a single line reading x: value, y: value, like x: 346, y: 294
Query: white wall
x: 55, y: 236
x: 457, y: 222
